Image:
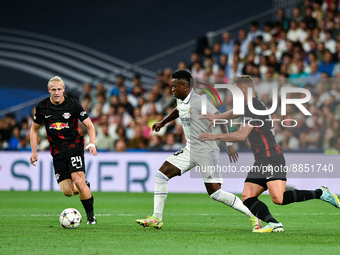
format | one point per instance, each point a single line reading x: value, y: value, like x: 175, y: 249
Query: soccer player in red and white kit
x: 60, y: 116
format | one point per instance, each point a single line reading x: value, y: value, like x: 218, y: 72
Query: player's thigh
x: 169, y: 170
x: 76, y: 161
x: 276, y: 189
x: 208, y: 165
x: 177, y: 164
x: 212, y: 187
x: 251, y: 189
x: 61, y: 168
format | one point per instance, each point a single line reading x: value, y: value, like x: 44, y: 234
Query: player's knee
x: 67, y: 192
x: 245, y: 196
x: 79, y: 183
x: 277, y: 200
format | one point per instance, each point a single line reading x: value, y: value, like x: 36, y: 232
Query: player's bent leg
x: 251, y: 190
x: 216, y: 193
x: 249, y: 196
x: 79, y: 180
x: 67, y: 187
x: 276, y: 189
x: 323, y: 193
x: 169, y: 170
x: 85, y: 196
x: 162, y: 177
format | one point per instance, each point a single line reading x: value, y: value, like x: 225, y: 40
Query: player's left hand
x: 207, y: 136
x: 92, y: 149
x: 232, y: 153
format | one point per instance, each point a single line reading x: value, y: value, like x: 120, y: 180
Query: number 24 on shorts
x: 76, y: 162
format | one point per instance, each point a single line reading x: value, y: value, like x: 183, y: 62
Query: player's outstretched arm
x: 235, y: 137
x: 226, y: 115
x: 92, y: 134
x: 34, y: 142
x: 172, y: 116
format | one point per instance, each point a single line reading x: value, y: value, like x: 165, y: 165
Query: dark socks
x: 88, y: 206
x: 259, y: 209
x: 295, y: 195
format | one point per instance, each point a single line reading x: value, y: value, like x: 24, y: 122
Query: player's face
x: 179, y: 88
x: 56, y: 90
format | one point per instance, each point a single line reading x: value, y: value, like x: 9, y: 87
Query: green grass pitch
x: 193, y: 224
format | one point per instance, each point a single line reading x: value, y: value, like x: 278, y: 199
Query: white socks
x: 231, y: 200
x: 161, y: 192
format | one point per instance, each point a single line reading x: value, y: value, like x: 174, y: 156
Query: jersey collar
x: 187, y: 99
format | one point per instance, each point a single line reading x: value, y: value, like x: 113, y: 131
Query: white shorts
x: 184, y: 161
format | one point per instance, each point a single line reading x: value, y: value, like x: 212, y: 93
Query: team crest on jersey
x: 57, y: 176
x: 83, y: 113
x: 67, y: 115
x: 190, y: 111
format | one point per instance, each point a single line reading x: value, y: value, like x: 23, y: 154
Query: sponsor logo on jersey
x: 83, y: 113
x: 59, y: 125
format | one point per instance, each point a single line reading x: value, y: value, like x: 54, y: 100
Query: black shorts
x: 266, y: 170
x: 68, y: 162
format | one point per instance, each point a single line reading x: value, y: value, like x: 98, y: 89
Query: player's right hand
x: 209, y: 117
x: 34, y: 158
x: 157, y: 126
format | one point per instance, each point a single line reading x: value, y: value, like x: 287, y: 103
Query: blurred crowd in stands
x: 300, y: 52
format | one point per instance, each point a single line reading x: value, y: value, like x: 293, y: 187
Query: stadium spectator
x: 293, y: 32
x: 170, y: 143
x: 100, y: 107
x: 104, y: 141
x: 100, y: 89
x: 216, y: 52
x: 310, y: 21
x: 182, y: 65
x: 327, y: 65
x: 86, y: 92
x: 155, y: 143
x: 318, y: 13
x: 297, y: 14
x: 120, y: 83
x: 281, y: 18
x: 228, y: 44
x: 167, y: 77
x: 121, y: 146
x: 14, y: 142
x: 146, y: 108
x: 329, y: 41
x: 137, y: 89
x: 123, y: 101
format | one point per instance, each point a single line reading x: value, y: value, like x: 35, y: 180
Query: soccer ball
x: 70, y: 218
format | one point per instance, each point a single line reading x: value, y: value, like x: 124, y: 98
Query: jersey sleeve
x: 37, y: 117
x: 81, y: 113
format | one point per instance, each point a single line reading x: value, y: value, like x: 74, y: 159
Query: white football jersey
x: 189, y: 113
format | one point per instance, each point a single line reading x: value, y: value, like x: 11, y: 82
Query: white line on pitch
x: 172, y: 214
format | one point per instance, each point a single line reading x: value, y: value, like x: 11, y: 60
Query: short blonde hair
x: 245, y: 80
x: 53, y: 79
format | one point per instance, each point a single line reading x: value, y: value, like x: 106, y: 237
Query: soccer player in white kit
x: 194, y: 154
